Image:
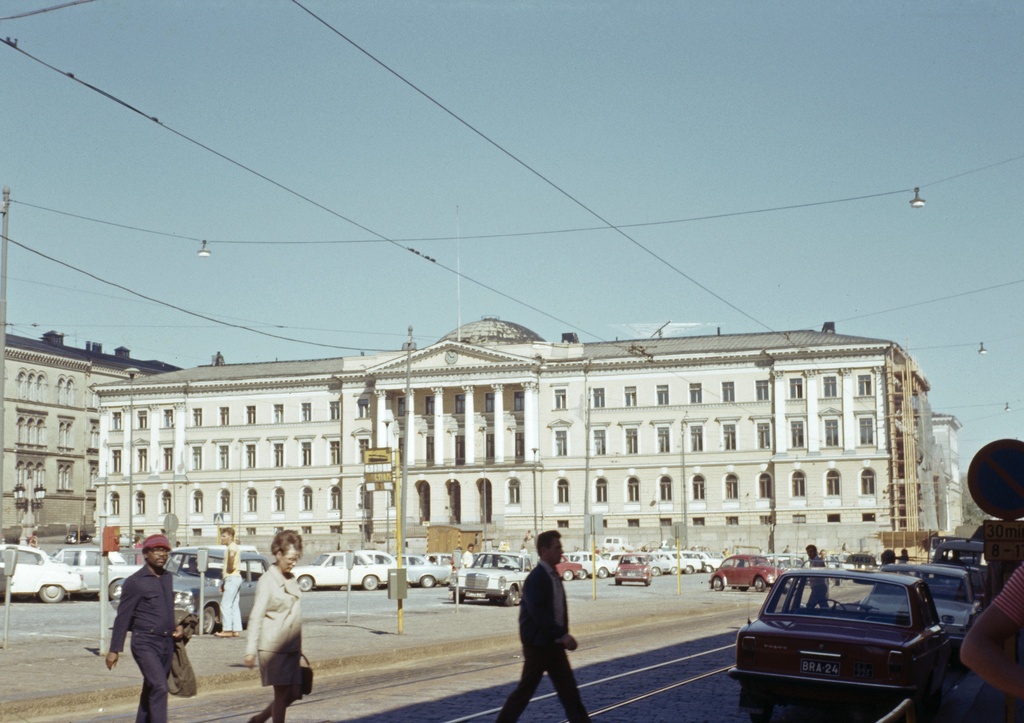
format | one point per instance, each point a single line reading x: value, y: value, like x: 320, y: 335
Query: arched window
x: 832, y: 484
x: 764, y: 486
x: 197, y: 502
x: 799, y: 484
x: 60, y: 390
x: 40, y: 388
x: 867, y: 482
x: 22, y: 385
x: 514, y: 497
x: 140, y: 503
x: 69, y: 392
x: 224, y: 497
x: 30, y: 387
x: 601, y: 491
x: 732, y: 487
x: 250, y: 500
x: 665, y: 489
x: 632, y: 490
x: 307, y: 499
x: 699, y: 487
x: 165, y: 502
x: 115, y: 503
x: 335, y: 497
x: 563, y: 491
x: 278, y: 499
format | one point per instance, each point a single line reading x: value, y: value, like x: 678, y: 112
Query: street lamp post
x: 5, y: 209
x: 131, y: 371
x: 28, y: 506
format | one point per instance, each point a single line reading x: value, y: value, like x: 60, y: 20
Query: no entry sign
x: 996, y: 479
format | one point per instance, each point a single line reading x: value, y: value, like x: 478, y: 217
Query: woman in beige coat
x: 275, y: 628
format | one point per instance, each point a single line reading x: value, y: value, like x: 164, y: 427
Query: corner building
x: 755, y: 440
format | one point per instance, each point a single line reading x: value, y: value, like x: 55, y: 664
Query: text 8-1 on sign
x: 1004, y: 541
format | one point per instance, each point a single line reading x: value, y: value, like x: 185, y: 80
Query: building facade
x: 747, y: 441
x: 52, y: 429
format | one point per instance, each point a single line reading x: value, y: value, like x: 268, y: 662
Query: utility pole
x: 5, y: 209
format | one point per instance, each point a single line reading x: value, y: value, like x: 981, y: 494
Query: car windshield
x: 841, y: 598
x: 187, y: 564
x: 320, y: 559
x: 943, y: 587
x: 633, y: 560
x: 760, y: 562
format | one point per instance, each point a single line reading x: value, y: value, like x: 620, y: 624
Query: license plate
x: 819, y: 667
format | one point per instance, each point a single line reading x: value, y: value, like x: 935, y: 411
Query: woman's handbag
x: 307, y: 676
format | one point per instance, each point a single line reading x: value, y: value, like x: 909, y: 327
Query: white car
x: 605, y: 567
x: 422, y: 572
x: 663, y: 563
x: 712, y: 560
x: 38, y: 574
x: 86, y: 561
x: 369, y: 571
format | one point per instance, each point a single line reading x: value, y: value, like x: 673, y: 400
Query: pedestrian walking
x: 275, y: 628
x: 231, y: 585
x: 819, y: 586
x: 147, y: 609
x: 544, y: 632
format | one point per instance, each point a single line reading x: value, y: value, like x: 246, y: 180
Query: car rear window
x: 840, y: 598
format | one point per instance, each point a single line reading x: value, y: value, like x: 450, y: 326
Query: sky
x: 605, y: 168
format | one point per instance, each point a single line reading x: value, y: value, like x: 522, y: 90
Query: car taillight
x: 895, y: 663
x: 748, y: 646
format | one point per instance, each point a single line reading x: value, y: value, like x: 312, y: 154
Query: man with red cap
x: 147, y: 609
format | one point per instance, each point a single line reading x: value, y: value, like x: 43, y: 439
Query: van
x: 614, y: 544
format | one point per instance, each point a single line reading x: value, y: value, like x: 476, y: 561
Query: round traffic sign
x: 996, y: 479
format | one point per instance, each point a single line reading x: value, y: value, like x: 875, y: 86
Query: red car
x: 569, y: 569
x: 745, y: 572
x: 832, y: 638
x: 634, y: 567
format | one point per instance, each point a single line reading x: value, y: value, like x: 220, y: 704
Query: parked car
x: 745, y: 572
x: 712, y: 560
x: 419, y: 571
x: 183, y: 563
x: 369, y: 571
x: 970, y: 553
x: 953, y: 593
x: 570, y: 569
x: 86, y: 561
x: 634, y: 567
x: 495, y: 576
x: 874, y: 638
x: 663, y: 563
x: 691, y: 562
x: 603, y: 565
x: 75, y: 538
x: 36, y: 573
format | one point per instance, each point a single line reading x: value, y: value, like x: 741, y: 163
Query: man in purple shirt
x: 147, y: 609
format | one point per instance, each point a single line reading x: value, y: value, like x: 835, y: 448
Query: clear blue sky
x: 640, y: 113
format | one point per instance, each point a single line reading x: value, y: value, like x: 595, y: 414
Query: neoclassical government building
x: 741, y: 440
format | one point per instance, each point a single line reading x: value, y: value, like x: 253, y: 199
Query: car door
x: 29, y: 573
x: 252, y: 570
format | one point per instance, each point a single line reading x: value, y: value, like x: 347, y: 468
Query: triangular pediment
x: 452, y: 357
x: 830, y: 412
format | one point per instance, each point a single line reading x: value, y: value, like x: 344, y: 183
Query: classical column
x: 439, y: 434
x: 469, y: 426
x: 530, y: 419
x: 382, y: 429
x: 849, y: 423
x: 499, y: 423
x: 813, y: 423
x: 779, y: 395
x: 410, y: 439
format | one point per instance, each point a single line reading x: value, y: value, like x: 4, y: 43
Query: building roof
x: 492, y: 330
x: 52, y: 342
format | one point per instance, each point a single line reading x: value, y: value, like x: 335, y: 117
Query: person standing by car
x: 819, y: 586
x: 544, y: 632
x: 275, y: 628
x: 231, y: 586
x: 147, y: 609
x: 983, y: 650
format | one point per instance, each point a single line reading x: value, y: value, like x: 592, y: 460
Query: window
x: 307, y: 499
x: 831, y: 432
x: 629, y: 397
x: 428, y: 405
x: 399, y: 411
x: 796, y: 388
x: 867, y: 430
x: 867, y: 517
x: 64, y: 477
x: 489, y: 403
x: 488, y: 446
x: 514, y: 492
x: 250, y: 456
x: 336, y: 451
x: 696, y: 394
x: 728, y: 391
x: 307, y: 454
x: 143, y: 417
x: 665, y: 489
x: 632, y: 522
x: 225, y: 416
x: 867, y: 482
x: 223, y: 457
x: 601, y: 491
x: 279, y: 454
x: 561, y: 442
x: 364, y: 444
x: 335, y: 410
x: 696, y: 437
x: 835, y: 517
x: 115, y: 503
x: 832, y: 487
x: 429, y: 451
x: 765, y: 519
x: 140, y: 503
x: 142, y: 454
x: 796, y: 434
x: 335, y: 498
x: 168, y: 459
x: 732, y: 521
x: 250, y: 414
x: 698, y: 522
x: 518, y: 401
x: 863, y: 385
x: 799, y: 519
x: 664, y: 439
x: 662, y: 394
x: 460, y: 403
x: 632, y: 441
x: 165, y: 502
x: 764, y: 435
x: 600, y: 442
x: 197, y: 458
x: 598, y: 397
x: 197, y: 417
x: 763, y: 390
x: 732, y: 487
x: 764, y: 486
x: 197, y: 502
x: 278, y: 499
x: 168, y: 419
x: 632, y: 490
x: 225, y: 501
x: 520, y: 444
x: 729, y: 436
x: 699, y: 487
x: 559, y: 399
x: 563, y: 491
x: 829, y: 387
x: 799, y: 484
x: 251, y: 500
x: 363, y: 407
x: 115, y: 421
x: 307, y: 412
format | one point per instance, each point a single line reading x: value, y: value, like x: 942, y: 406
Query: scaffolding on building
x: 906, y: 398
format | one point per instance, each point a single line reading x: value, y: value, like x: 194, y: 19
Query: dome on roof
x: 492, y: 330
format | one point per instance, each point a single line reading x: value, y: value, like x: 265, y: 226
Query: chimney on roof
x: 570, y: 337
x: 54, y: 337
x: 829, y: 327
x: 123, y: 352
x: 94, y: 346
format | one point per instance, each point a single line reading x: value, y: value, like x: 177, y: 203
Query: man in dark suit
x: 544, y: 631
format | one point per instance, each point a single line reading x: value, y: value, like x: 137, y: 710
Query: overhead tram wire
x: 13, y: 44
